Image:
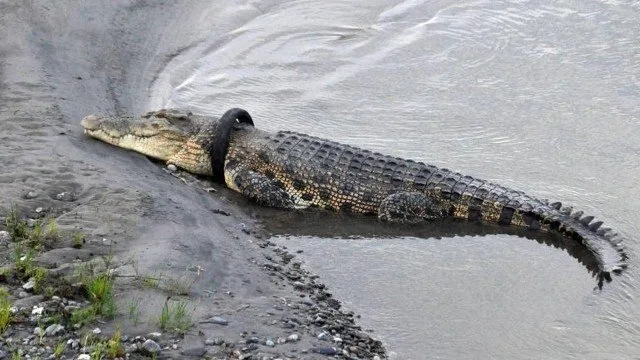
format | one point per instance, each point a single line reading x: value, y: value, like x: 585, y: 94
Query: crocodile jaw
x: 154, y: 137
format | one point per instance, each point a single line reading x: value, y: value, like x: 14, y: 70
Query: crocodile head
x: 173, y: 138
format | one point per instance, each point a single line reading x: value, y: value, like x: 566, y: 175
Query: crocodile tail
x: 601, y: 241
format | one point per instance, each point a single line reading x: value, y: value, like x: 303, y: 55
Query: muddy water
x: 541, y: 96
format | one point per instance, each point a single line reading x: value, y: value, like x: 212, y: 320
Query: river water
x: 541, y: 96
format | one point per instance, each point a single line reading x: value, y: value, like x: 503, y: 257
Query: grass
x: 134, y: 311
x: 59, y: 349
x: 100, y: 293
x: 16, y: 227
x: 78, y: 239
x: 5, y: 310
x: 175, y: 317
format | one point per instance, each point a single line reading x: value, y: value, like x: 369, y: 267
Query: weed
x: 38, y: 274
x: 98, y: 350
x: 5, y: 310
x: 151, y: 282
x: 101, y: 295
x: 114, y: 346
x: 23, y: 261
x: 134, y: 311
x: 77, y: 239
x: 52, y: 234
x: 16, y: 356
x: 59, y: 350
x: 16, y: 227
x: 175, y: 317
x: 83, y: 316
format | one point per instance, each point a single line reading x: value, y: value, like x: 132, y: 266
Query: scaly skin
x: 291, y: 170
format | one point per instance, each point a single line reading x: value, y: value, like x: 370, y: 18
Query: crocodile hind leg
x: 258, y: 188
x: 407, y: 207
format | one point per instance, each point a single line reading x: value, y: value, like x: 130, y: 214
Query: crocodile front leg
x: 257, y: 187
x: 408, y: 207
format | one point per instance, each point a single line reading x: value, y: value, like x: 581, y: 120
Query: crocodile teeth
x: 595, y: 225
x: 586, y: 220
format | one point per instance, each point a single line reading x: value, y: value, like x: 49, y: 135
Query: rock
x: 29, y: 285
x: 195, y: 352
x: 96, y: 331
x: 31, y: 195
x: 172, y: 167
x: 325, y: 350
x: 4, y: 237
x: 323, y: 336
x: 154, y: 335
x: 270, y: 343
x: 217, y: 341
x: 150, y: 347
x: 53, y: 330
x: 83, y: 357
x: 219, y: 320
x: 30, y: 302
x: 293, y: 338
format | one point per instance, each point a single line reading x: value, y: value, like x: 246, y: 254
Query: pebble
x: 150, y: 346
x: 325, y: 350
x: 96, y: 331
x: 83, y: 357
x: 195, y: 352
x: 30, y: 284
x: 31, y: 195
x: 53, y: 330
x: 219, y: 320
x: 172, y: 167
x: 293, y: 338
x: 323, y: 336
x: 4, y: 237
x: 270, y: 343
x: 154, y: 335
x: 217, y: 341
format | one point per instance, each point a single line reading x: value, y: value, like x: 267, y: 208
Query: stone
x: 150, y: 347
x: 293, y: 338
x: 194, y: 352
x: 30, y: 284
x: 53, y: 330
x: 83, y: 357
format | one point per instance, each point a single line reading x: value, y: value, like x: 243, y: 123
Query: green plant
x: 175, y: 317
x: 98, y: 350
x: 16, y: 227
x: 52, y: 234
x: 59, y: 350
x: 114, y: 345
x: 23, y: 260
x: 5, y: 310
x: 35, y: 236
x: 77, y: 239
x: 83, y: 316
x: 134, y: 311
x: 100, y: 292
x: 39, y: 274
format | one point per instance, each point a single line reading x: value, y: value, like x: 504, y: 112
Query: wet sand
x: 62, y: 62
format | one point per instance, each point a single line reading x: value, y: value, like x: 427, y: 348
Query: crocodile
x: 290, y: 170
